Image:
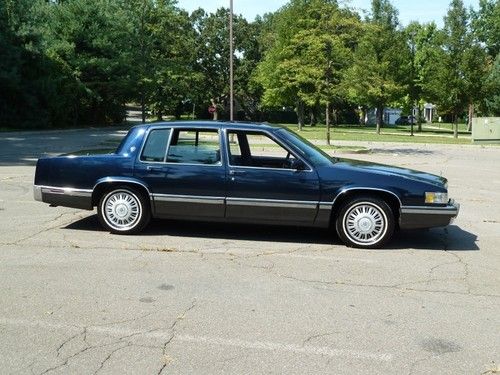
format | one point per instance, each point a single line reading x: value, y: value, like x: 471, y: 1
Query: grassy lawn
x: 433, y: 133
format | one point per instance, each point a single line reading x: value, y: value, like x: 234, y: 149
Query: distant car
x: 403, y: 120
x: 406, y: 120
x: 251, y: 173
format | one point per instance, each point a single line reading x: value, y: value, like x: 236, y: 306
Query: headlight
x: 431, y: 197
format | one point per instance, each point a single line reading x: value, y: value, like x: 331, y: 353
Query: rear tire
x: 123, y: 210
x: 365, y: 222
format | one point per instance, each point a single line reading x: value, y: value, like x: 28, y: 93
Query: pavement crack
x: 172, y: 336
x: 101, y: 365
x: 68, y: 340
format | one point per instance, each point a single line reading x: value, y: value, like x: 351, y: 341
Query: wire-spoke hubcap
x: 122, y: 210
x: 365, y: 223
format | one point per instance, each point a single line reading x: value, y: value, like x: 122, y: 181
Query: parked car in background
x: 251, y: 173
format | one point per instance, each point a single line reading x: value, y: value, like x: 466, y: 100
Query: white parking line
x: 219, y: 341
x: 277, y: 347
x: 322, y: 257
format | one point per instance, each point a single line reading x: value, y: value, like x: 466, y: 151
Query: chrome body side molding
x: 256, y: 202
x: 187, y: 198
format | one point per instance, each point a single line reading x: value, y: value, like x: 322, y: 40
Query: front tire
x: 123, y: 210
x: 365, y: 222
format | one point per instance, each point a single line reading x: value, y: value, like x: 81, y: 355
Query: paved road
x: 209, y: 299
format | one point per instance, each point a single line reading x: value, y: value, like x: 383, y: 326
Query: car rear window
x: 156, y: 145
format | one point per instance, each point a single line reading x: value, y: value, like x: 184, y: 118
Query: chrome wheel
x: 121, y: 210
x: 365, y: 223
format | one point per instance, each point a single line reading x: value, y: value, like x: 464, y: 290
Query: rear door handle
x: 151, y: 168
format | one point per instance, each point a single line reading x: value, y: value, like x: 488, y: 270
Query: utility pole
x: 231, y: 78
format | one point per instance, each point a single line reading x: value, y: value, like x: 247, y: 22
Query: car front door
x: 267, y: 182
x: 184, y: 170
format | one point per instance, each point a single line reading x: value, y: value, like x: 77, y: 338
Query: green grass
x: 434, y: 133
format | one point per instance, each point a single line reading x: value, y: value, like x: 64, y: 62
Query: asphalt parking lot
x: 186, y: 298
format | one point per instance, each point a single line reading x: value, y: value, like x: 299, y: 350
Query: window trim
x: 172, y: 129
x: 270, y: 135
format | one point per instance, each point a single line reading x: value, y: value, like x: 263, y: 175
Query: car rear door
x: 185, y: 172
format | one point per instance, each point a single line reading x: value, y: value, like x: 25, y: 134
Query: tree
x: 304, y: 65
x: 212, y: 57
x: 36, y: 90
x: 460, y: 67
x: 90, y: 38
x: 377, y: 75
x: 486, y: 29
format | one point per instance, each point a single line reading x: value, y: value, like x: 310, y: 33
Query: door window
x: 156, y: 145
x: 194, y: 146
x: 256, y: 149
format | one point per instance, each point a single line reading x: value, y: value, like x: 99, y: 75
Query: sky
x: 409, y: 10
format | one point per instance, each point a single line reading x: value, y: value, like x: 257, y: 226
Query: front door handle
x: 232, y: 172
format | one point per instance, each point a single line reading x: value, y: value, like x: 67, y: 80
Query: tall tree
x: 312, y: 46
x: 486, y: 29
x: 460, y: 69
x: 376, y: 77
x: 212, y: 57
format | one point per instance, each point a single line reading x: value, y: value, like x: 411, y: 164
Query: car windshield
x: 309, y: 151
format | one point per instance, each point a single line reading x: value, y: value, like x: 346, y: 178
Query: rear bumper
x: 63, y: 196
x: 414, y: 217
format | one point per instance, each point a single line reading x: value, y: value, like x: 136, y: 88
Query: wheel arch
x: 391, y: 198
x: 106, y: 184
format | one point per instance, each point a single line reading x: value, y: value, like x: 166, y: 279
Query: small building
x: 429, y: 112
x: 390, y: 116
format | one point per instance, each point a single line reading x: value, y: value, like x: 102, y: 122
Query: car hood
x: 390, y: 170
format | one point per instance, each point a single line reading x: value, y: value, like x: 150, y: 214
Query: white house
x: 390, y: 116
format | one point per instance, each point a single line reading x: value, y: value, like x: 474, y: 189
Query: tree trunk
x: 335, y: 116
x: 312, y: 117
x: 419, y: 118
x: 455, y: 126
x: 380, y: 115
x: 143, y: 108
x: 362, y: 118
x: 300, y: 114
x: 471, y: 114
x: 327, y: 120
x: 215, y: 114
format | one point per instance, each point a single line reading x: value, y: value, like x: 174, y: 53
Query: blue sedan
x: 251, y: 173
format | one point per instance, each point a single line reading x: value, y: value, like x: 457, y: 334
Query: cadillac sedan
x: 251, y: 173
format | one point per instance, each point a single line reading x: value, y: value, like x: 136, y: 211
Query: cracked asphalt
x: 212, y: 298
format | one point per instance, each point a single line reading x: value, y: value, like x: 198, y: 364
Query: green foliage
x: 312, y: 46
x: 77, y: 62
x: 377, y: 76
x: 454, y: 77
x: 486, y: 25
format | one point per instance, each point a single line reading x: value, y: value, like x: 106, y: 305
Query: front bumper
x: 414, y: 217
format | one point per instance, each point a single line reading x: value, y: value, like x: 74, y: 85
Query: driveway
x: 211, y: 298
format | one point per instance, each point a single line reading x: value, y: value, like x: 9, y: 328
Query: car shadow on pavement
x: 451, y: 238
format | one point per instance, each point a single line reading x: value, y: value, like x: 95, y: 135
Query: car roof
x: 243, y: 125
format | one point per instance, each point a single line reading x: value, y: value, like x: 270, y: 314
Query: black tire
x: 365, y: 222
x: 124, y: 210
